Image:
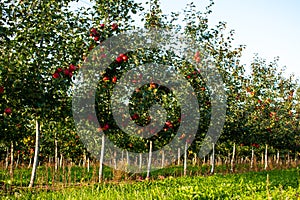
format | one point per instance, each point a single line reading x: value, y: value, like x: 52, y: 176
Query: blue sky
x: 268, y: 27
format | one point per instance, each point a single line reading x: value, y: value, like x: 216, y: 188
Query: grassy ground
x: 275, y: 184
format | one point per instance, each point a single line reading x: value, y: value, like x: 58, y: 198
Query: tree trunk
x: 11, y: 169
x: 277, y: 159
x: 61, y: 160
x: 56, y: 152
x: 266, y: 157
x: 127, y: 158
x: 30, y: 161
x: 88, y: 164
x: 162, y: 159
x: 212, y: 160
x: 6, y: 158
x: 84, y: 159
x: 185, y: 159
x: 178, y: 157
x: 36, y: 153
x: 195, y: 159
x: 233, y: 157
x: 18, y: 160
x: 149, y: 160
x: 115, y: 160
x: 252, y: 157
x: 101, y: 159
x: 141, y: 162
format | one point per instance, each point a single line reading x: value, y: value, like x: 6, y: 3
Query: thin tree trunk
x: 277, y: 159
x: 252, y: 158
x: 162, y: 159
x: 266, y: 157
x: 127, y: 158
x: 115, y: 160
x: 61, y: 160
x: 11, y: 169
x: 233, y: 157
x: 212, y: 160
x: 149, y: 160
x: 195, y: 159
x: 178, y: 157
x: 6, y: 158
x: 30, y: 161
x: 141, y: 161
x: 56, y: 152
x: 185, y: 159
x: 84, y: 159
x: 36, y: 153
x: 88, y: 164
x: 101, y: 159
x: 18, y: 160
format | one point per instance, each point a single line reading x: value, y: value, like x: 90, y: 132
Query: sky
x: 270, y: 28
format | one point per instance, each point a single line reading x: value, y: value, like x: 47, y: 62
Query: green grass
x: 282, y: 184
x: 75, y: 175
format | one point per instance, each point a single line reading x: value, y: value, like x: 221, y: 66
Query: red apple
x: 55, y: 75
x: 125, y: 58
x: 114, y: 79
x: 94, y: 31
x: 66, y: 72
x: 105, y: 78
x: 96, y: 38
x: 72, y: 68
x: 8, y: 111
x: 135, y: 116
x: 105, y: 127
x: 102, y: 25
x: 255, y: 145
x: 119, y: 59
x: 59, y: 70
x: 169, y: 124
x: 1, y: 89
x: 114, y: 26
x: 152, y: 85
